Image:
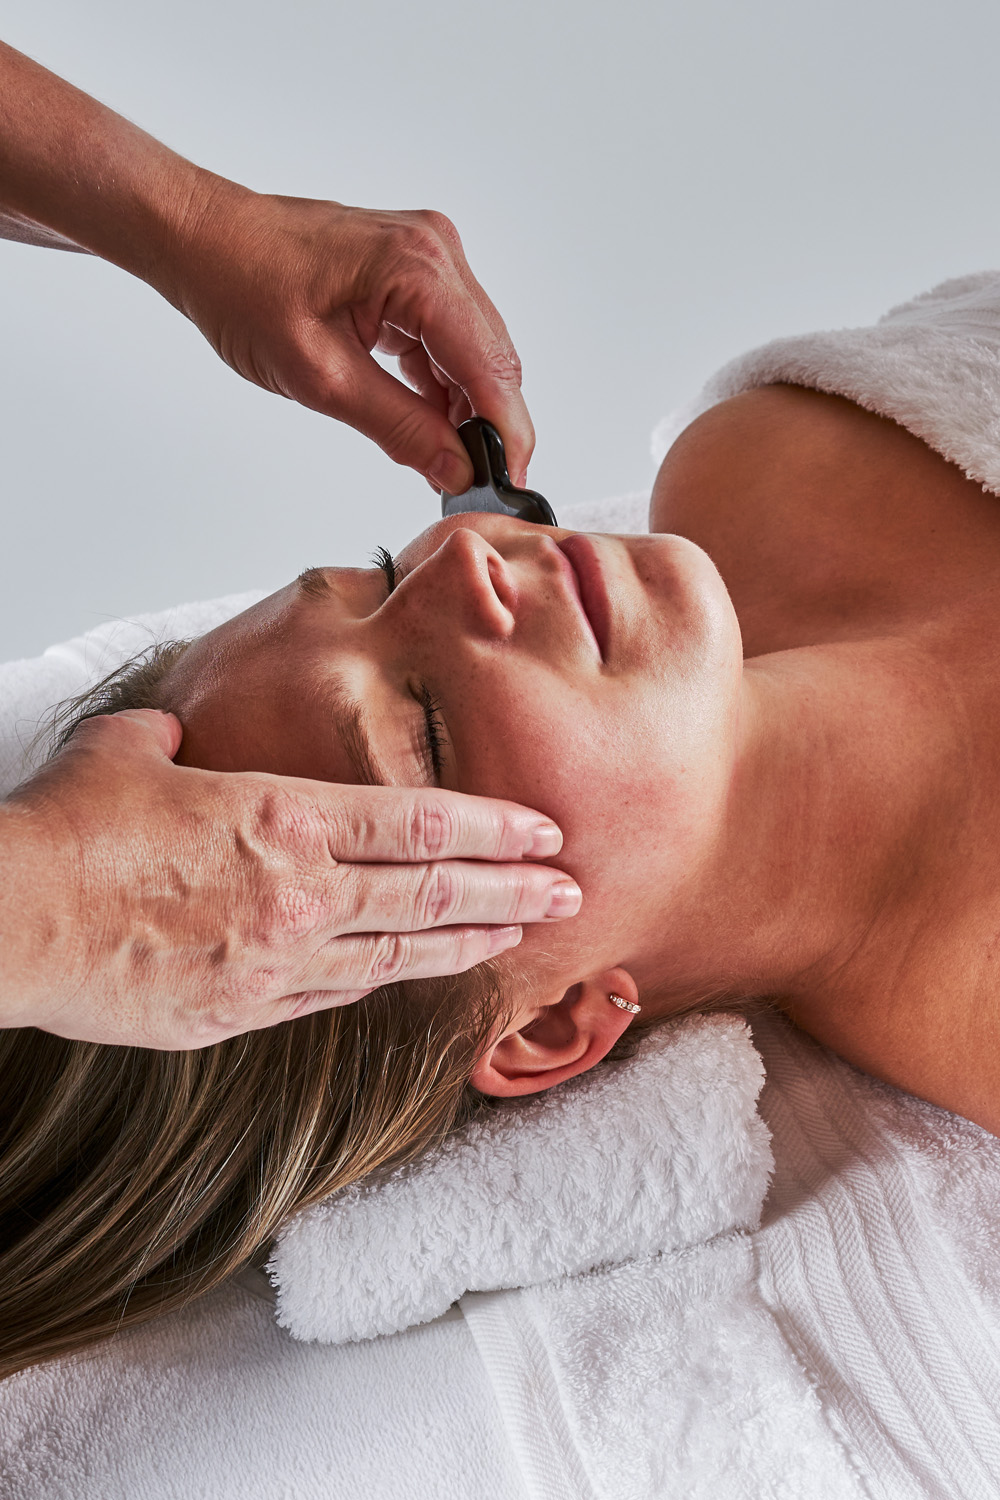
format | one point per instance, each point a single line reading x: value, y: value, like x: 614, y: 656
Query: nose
x: 475, y: 578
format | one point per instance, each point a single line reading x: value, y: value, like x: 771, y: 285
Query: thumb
x: 148, y: 732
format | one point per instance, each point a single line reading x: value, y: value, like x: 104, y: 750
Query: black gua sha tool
x: 491, y: 488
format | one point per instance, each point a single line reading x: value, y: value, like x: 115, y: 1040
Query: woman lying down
x: 770, y: 732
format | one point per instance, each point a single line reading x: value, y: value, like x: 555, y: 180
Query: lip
x: 582, y: 556
x: 572, y: 582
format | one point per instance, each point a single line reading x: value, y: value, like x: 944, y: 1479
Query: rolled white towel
x: 660, y: 1152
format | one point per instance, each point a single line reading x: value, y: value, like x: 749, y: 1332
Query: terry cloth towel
x: 657, y: 1153
x: 931, y: 364
x: 849, y: 1348
x: 877, y: 1258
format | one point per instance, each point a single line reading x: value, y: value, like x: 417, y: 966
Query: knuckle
x: 432, y: 830
x: 523, y: 896
x: 420, y: 241
x: 440, y: 225
x: 501, y: 365
x: 217, y: 1025
x: 285, y: 820
x: 291, y: 910
x: 438, y: 897
x: 258, y: 985
x: 390, y: 956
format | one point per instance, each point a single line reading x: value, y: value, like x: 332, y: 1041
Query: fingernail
x: 544, y: 839
x: 448, y: 473
x: 565, y: 899
x: 503, y: 937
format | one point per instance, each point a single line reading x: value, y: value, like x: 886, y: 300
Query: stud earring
x: 624, y: 1004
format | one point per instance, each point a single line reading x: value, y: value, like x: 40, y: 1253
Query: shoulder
x: 822, y: 518
x: 781, y: 444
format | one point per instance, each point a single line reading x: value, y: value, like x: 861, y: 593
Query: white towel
x: 657, y: 1153
x: 663, y: 1379
x: 878, y: 1260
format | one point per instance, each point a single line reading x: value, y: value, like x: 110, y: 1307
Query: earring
x: 623, y: 1004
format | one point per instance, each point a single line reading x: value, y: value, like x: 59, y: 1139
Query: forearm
x: 73, y: 169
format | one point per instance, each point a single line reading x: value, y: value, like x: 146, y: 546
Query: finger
x: 405, y: 426
x: 452, y: 240
x: 357, y: 965
x: 423, y: 374
x: 374, y: 824
x: 134, y: 731
x: 483, y: 365
x: 449, y: 893
x: 459, y: 339
x: 419, y: 373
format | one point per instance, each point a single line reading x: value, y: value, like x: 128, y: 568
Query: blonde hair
x: 132, y: 1181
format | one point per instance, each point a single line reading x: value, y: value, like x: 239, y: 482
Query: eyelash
x: 436, y: 737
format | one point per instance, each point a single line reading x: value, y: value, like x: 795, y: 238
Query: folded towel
x: 660, y: 1152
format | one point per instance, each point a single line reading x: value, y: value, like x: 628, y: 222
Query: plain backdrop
x: 645, y: 189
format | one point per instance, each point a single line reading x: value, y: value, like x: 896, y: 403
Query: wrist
x: 186, y: 247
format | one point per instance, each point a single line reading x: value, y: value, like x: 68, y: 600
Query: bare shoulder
x: 794, y: 450
x: 819, y: 514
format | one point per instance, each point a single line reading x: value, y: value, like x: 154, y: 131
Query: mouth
x: 591, y: 590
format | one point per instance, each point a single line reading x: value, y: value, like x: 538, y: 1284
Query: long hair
x: 133, y: 1180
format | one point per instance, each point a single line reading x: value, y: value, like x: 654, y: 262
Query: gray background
x: 644, y: 189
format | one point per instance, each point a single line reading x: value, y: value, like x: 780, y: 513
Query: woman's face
x: 595, y: 678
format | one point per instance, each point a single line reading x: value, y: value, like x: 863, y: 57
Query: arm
x: 294, y: 294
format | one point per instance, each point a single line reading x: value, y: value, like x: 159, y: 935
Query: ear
x: 560, y: 1039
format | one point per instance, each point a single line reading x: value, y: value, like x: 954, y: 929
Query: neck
x: 818, y: 875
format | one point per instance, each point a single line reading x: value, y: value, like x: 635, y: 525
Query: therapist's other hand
x: 154, y: 905
x: 296, y: 294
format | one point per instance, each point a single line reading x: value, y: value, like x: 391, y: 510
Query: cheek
x: 594, y: 765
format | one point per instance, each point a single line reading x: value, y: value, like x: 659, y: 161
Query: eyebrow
x: 314, y: 583
x: 353, y: 724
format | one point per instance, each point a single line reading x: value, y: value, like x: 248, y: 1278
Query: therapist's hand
x: 148, y: 904
x: 295, y: 294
